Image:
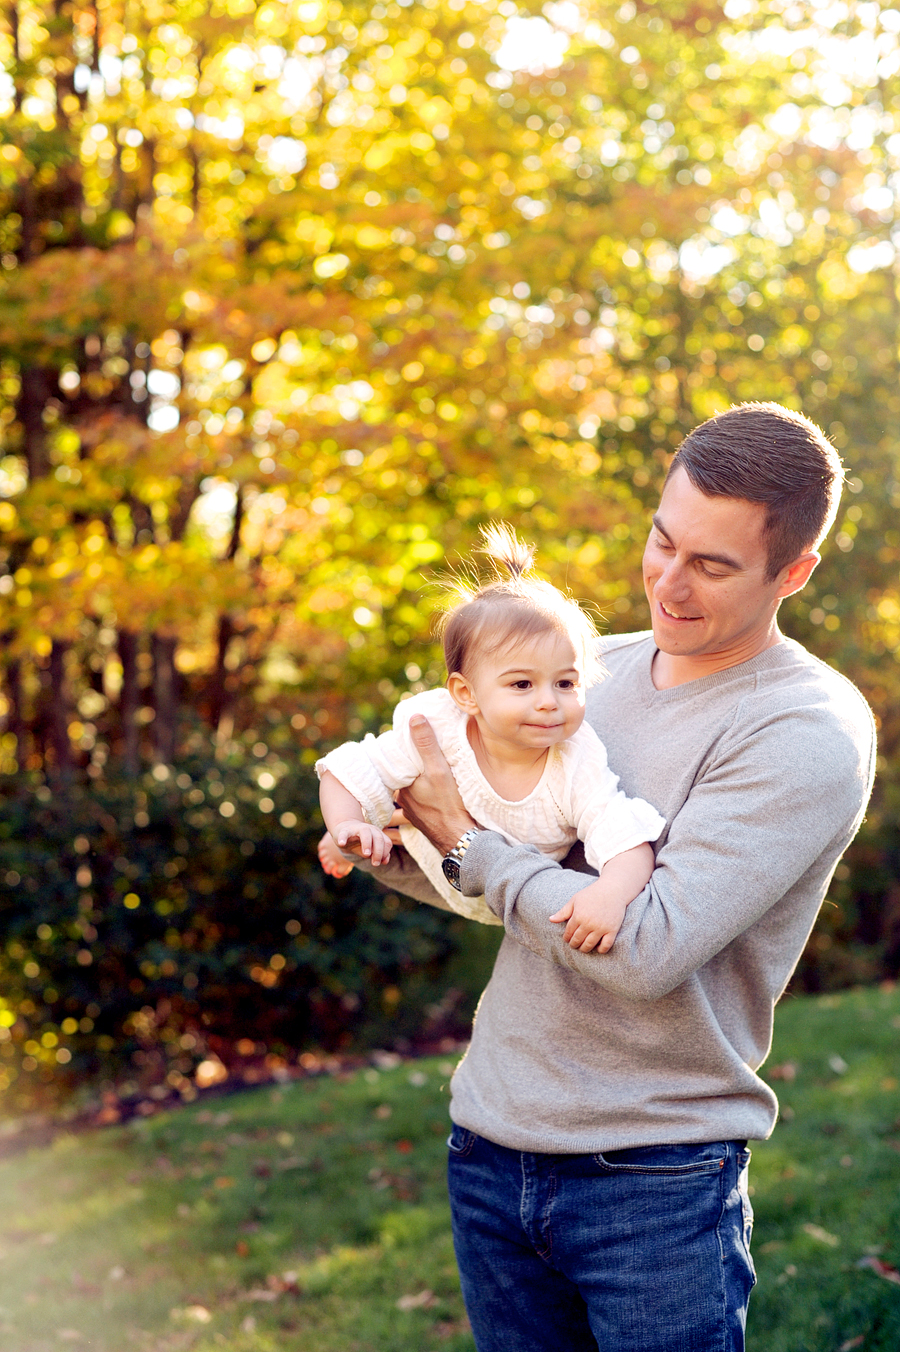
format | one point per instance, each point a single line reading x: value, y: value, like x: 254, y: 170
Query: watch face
x: 451, y: 871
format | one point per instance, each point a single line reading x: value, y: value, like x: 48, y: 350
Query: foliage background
x: 294, y: 296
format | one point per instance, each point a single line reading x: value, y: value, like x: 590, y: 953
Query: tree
x: 296, y: 295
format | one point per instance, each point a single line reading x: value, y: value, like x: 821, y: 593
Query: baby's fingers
x: 563, y: 913
x: 584, y: 940
x: 586, y: 937
x: 381, y: 847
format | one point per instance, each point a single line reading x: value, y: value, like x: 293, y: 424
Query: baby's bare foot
x: 331, y: 859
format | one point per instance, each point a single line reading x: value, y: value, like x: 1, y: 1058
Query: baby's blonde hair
x: 483, y: 617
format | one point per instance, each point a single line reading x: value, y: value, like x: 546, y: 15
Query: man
x: 598, y: 1156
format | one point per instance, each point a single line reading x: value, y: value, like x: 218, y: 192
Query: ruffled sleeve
x: 607, y: 821
x: 375, y: 768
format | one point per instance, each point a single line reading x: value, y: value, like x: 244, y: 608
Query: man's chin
x: 676, y: 645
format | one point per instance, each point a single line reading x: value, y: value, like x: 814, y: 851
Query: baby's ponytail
x: 482, y: 617
x: 507, y: 552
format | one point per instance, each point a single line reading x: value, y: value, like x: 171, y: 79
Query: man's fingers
x: 425, y: 742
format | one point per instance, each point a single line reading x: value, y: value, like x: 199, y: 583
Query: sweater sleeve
x: 607, y: 821
x: 779, y: 802
x: 375, y: 768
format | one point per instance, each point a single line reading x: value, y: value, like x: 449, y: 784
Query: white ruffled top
x: 577, y: 796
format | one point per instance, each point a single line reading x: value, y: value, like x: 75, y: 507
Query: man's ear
x: 796, y: 575
x: 461, y: 693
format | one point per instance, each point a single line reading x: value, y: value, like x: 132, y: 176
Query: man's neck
x: 669, y: 669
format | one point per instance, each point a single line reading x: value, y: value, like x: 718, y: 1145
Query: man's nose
x: 673, y: 581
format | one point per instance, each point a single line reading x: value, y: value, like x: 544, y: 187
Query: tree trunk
x: 37, y: 387
x: 17, y: 56
x: 218, y: 695
x: 165, y: 697
x: 129, y: 700
x: 15, y: 717
x: 58, y: 711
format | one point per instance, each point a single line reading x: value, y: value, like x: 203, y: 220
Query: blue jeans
x: 640, y: 1250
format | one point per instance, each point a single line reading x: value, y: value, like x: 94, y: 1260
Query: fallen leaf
x: 70, y: 1336
x: 852, y: 1342
x: 890, y: 1274
x: 405, y: 1147
x: 786, y: 1072
x: 838, y: 1065
x: 823, y: 1236
x: 451, y: 1328
x: 223, y: 1182
x: 198, y: 1314
x: 242, y: 1248
x: 421, y: 1301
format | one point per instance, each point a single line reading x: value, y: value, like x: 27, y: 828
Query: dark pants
x: 641, y: 1250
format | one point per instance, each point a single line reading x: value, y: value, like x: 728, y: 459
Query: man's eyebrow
x: 724, y: 559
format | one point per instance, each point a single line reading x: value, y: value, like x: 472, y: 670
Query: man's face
x: 705, y: 576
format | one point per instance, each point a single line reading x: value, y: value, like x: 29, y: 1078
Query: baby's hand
x: 373, y: 843
x: 592, y: 920
x: 331, y: 859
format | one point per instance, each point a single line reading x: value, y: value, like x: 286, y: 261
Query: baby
x: 510, y: 722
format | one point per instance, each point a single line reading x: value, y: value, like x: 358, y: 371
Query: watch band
x: 451, y: 862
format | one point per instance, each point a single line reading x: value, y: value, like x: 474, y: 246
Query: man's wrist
x: 452, y: 829
x: 452, y: 861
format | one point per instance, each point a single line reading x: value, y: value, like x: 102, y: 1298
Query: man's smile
x: 670, y: 614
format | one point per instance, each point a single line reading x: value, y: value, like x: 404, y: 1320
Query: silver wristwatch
x: 451, y: 862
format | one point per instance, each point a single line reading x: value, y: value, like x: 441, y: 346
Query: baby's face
x: 529, y: 694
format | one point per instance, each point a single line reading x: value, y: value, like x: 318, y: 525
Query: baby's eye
x: 521, y: 685
x: 568, y: 685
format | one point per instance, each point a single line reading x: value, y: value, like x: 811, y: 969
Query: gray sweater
x: 762, y: 772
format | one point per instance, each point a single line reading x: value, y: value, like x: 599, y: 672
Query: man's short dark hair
x: 764, y: 453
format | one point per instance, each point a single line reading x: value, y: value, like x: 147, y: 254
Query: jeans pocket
x: 461, y: 1141
x: 671, y: 1161
x: 743, y: 1163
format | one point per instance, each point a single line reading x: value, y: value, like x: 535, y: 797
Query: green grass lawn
x: 313, y: 1215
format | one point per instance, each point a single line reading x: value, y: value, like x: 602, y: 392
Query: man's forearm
x: 403, y: 874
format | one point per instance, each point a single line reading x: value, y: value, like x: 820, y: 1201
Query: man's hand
x: 432, y: 802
